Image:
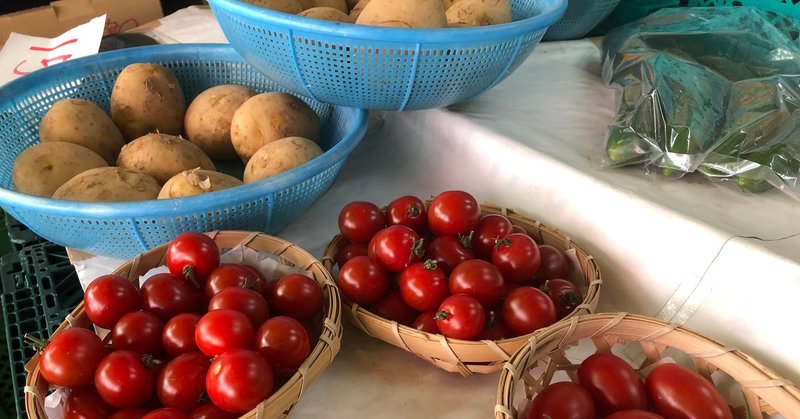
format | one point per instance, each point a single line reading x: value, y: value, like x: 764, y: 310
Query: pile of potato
x: 398, y: 14
x: 139, y: 153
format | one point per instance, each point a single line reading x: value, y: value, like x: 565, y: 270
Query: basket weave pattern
x: 281, y: 402
x: 534, y: 366
x: 470, y: 357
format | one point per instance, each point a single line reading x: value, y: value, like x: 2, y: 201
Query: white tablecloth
x: 710, y: 257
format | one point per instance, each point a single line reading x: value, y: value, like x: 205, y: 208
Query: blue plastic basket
x: 581, y: 17
x: 124, y: 229
x: 384, y: 68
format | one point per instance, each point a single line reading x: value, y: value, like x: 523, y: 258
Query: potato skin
x: 356, y: 10
x: 83, y: 123
x: 163, y: 156
x: 340, y: 5
x: 268, y: 117
x: 196, y: 182
x: 285, y: 6
x: 147, y: 98
x: 466, y: 13
x: 280, y: 156
x: 404, y: 14
x: 43, y: 168
x: 326, y: 13
x: 109, y: 184
x: 208, y: 119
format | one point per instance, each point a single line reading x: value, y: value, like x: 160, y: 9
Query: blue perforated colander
x: 383, y: 68
x: 128, y: 228
x: 581, y: 17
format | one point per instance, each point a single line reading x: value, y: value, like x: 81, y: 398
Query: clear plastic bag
x: 714, y: 90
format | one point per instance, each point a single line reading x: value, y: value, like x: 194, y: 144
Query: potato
x: 478, y: 13
x: 208, y: 119
x: 196, y: 182
x: 447, y: 3
x: 326, y: 13
x: 340, y: 5
x: 163, y: 156
x: 83, y: 123
x: 43, y: 168
x: 109, y: 184
x: 280, y: 156
x: 351, y: 4
x: 404, y: 14
x: 268, y: 117
x: 147, y: 98
x: 285, y: 6
x: 356, y: 10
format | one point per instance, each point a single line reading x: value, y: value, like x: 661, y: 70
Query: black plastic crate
x: 20, y: 235
x: 40, y: 287
x: 8, y: 403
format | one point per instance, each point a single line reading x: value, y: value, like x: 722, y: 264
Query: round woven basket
x: 281, y: 402
x: 547, y: 355
x: 463, y: 356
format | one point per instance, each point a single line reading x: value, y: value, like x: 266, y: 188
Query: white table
x: 710, y: 257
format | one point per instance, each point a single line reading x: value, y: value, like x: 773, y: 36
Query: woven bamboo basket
x: 471, y: 357
x: 281, y: 402
x: 761, y: 393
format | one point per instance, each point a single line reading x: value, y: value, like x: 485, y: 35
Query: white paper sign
x: 23, y: 54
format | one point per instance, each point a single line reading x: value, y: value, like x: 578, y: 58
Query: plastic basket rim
x: 553, y: 11
x: 165, y: 207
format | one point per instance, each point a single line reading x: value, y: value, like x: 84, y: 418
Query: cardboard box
x: 61, y: 16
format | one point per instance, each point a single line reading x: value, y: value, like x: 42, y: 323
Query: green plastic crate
x: 40, y: 287
x: 19, y: 234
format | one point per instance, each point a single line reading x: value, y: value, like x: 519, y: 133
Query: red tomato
x: 239, y: 380
x: 613, y: 384
x: 349, y: 251
x: 424, y: 286
x: 426, y: 322
x: 132, y: 413
x: 392, y: 307
x: 178, y: 335
x: 209, y: 411
x: 527, y: 309
x: 182, y: 382
x: 490, y: 228
x: 125, y: 379
x: 677, y: 392
x: 554, y: 264
x: 461, y: 317
x: 284, y: 342
x: 495, y: 328
x: 479, y: 279
x: 448, y: 252
x: 85, y: 403
x: 234, y: 275
x: 518, y: 229
x: 222, y: 330
x: 192, y: 256
x: 562, y: 400
x: 634, y: 414
x: 395, y: 248
x: 565, y: 295
x: 517, y: 257
x: 108, y: 298
x: 166, y: 296
x: 166, y: 413
x: 246, y: 301
x: 360, y: 220
x: 452, y: 213
x: 139, y: 332
x: 363, y: 281
x: 297, y: 296
x: 70, y: 358
x: 408, y: 211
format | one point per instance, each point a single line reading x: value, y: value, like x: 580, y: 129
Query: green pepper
x: 752, y: 185
x: 624, y: 146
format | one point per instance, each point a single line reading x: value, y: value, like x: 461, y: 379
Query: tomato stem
x: 188, y: 273
x: 504, y: 242
x: 413, y: 211
x: 417, y: 248
x: 38, y: 344
x: 491, y: 320
x: 569, y: 297
x: 430, y: 265
x: 466, y: 240
x: 442, y: 315
x: 149, y: 361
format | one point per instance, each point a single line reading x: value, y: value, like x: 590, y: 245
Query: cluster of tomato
x: 609, y: 387
x: 445, y: 268
x: 206, y: 340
